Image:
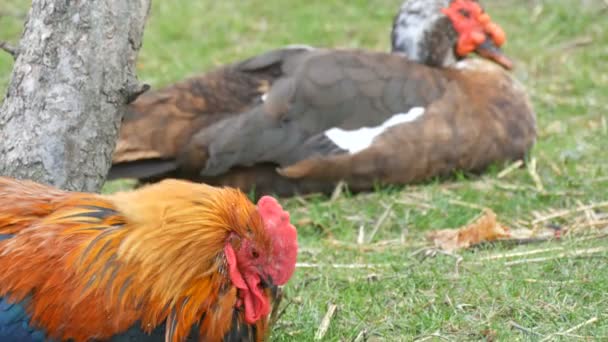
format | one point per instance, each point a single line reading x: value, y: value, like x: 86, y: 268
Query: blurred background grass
x: 561, y: 49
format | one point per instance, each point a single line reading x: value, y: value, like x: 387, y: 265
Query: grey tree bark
x: 73, y: 74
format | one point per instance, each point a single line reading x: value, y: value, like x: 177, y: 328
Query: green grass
x: 405, y: 296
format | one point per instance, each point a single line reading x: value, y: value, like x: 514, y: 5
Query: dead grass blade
x: 575, y: 253
x: 324, y: 326
x: 380, y: 222
x: 574, y: 328
x: 510, y: 169
x: 567, y: 212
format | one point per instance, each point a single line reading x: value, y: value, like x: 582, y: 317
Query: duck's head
x: 441, y: 32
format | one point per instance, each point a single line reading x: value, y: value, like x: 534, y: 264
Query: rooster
x: 170, y: 261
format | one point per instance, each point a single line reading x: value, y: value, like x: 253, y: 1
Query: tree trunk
x: 73, y: 74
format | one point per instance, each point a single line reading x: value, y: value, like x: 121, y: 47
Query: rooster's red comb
x: 284, y: 239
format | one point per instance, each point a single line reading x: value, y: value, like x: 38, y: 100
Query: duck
x: 299, y: 119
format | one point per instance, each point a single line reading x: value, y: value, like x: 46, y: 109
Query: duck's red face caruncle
x: 476, y: 32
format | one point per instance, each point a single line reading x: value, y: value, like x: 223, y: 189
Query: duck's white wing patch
x: 359, y: 139
x: 264, y: 96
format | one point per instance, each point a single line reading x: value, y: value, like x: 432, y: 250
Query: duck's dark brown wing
x: 160, y: 123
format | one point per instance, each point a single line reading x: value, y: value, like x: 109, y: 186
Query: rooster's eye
x: 255, y: 254
x: 464, y: 13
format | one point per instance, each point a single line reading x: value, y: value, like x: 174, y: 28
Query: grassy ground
x: 561, y: 49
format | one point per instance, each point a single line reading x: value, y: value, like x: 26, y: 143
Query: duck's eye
x: 255, y: 254
x: 464, y: 13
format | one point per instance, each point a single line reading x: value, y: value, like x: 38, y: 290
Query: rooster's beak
x: 267, y: 282
x: 492, y: 52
